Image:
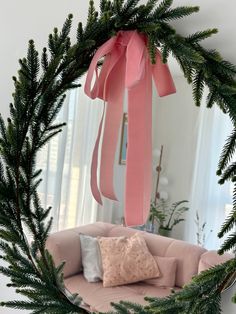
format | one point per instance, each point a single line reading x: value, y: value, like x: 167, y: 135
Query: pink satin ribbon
x: 127, y: 65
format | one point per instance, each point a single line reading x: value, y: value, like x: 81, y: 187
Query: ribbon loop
x: 101, y: 52
x: 136, y: 50
x: 127, y: 65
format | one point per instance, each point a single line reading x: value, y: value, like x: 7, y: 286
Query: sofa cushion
x: 187, y: 255
x: 99, y: 298
x: 91, y: 258
x: 167, y: 267
x: 65, y: 245
x: 211, y: 259
x: 129, y: 262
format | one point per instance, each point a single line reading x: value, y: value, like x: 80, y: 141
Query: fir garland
x: 39, y: 95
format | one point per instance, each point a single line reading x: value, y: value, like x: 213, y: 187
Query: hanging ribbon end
x: 98, y: 200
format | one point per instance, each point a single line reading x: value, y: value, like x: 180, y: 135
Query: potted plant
x: 167, y: 216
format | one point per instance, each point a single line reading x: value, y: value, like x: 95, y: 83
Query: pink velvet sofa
x: 65, y: 246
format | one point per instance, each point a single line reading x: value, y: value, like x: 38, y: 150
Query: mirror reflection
x: 190, y: 139
x: 193, y: 138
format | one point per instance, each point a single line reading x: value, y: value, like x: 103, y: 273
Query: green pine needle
x: 227, y: 152
x: 199, y: 36
x: 198, y: 87
x: 178, y: 13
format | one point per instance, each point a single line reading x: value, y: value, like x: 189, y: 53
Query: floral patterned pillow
x: 126, y: 260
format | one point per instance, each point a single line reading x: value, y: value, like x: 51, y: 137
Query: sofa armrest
x: 65, y: 246
x: 212, y: 258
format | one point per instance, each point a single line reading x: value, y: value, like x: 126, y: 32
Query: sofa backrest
x: 187, y: 255
x: 65, y: 245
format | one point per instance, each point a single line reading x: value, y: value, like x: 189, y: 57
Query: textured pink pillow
x: 126, y: 260
x: 167, y: 267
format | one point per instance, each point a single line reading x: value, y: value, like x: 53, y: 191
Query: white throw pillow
x: 91, y: 258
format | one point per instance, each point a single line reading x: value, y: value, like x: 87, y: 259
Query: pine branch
x: 118, y: 6
x: 228, y: 173
x: 162, y: 8
x: 186, y: 52
x: 198, y: 87
x: 234, y: 298
x: 200, y: 296
x: 165, y: 51
x: 227, y: 152
x: 187, y: 69
x: 228, y: 225
x: 178, y: 13
x: 211, y: 99
x: 136, y: 308
x: 92, y: 14
x: 129, y: 6
x: 228, y: 244
x: 199, y: 36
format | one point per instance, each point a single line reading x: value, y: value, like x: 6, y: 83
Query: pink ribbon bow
x: 127, y: 65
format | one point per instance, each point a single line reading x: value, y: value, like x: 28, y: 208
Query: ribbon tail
x: 99, y: 90
x: 139, y: 152
x: 93, y: 181
x: 114, y: 112
x: 162, y: 77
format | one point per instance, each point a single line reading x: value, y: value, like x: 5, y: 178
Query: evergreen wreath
x: 39, y: 95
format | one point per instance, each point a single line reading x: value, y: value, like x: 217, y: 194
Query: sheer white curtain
x: 65, y: 162
x: 207, y: 196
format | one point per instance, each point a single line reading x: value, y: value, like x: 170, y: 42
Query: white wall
x: 227, y: 306
x: 175, y: 124
x: 29, y: 19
